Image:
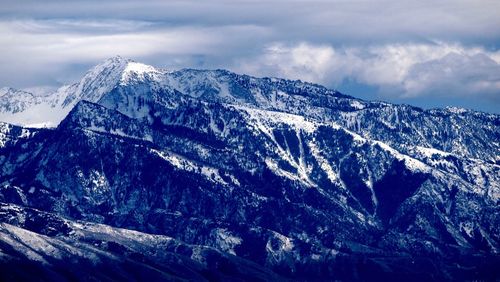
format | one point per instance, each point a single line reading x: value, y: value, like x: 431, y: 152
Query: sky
x: 428, y: 53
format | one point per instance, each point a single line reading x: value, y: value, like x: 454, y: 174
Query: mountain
x: 130, y: 255
x: 281, y: 179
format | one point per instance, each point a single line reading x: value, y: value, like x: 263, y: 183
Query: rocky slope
x: 41, y: 246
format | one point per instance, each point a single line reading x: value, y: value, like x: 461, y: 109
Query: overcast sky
x: 426, y: 53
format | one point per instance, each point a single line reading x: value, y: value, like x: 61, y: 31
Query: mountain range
x: 137, y: 172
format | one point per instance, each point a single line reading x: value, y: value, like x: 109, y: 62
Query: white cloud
x: 48, y: 48
x: 309, y: 20
x: 403, y: 70
x: 383, y: 43
x: 47, y: 40
x: 304, y: 61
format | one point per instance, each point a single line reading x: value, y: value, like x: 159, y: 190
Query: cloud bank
x: 429, y: 52
x: 405, y: 70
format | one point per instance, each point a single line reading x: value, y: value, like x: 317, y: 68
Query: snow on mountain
x: 15, y: 103
x: 96, y: 82
x: 296, y: 178
x: 36, y: 244
x: 138, y: 72
x: 10, y: 134
x: 25, y: 109
x: 131, y: 88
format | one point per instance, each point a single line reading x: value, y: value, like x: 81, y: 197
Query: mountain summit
x: 35, y: 111
x: 248, y: 178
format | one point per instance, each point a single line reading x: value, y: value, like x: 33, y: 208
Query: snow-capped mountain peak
x: 138, y: 71
x: 133, y: 88
x: 5, y: 90
x: 9, y: 91
x: 25, y: 109
x: 291, y: 175
x: 97, y: 81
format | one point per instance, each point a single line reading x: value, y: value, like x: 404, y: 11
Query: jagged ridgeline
x: 138, y: 172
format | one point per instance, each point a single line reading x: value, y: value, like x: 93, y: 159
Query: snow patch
x: 119, y: 132
x: 266, y: 117
x: 226, y: 241
x: 430, y: 152
x: 273, y: 166
x: 412, y: 164
x: 323, y: 163
x: 138, y: 71
x: 278, y: 246
x: 357, y: 105
x: 210, y: 173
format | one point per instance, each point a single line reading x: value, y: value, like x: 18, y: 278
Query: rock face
x: 276, y: 179
x: 41, y: 249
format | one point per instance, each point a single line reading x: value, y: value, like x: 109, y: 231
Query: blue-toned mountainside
x: 209, y: 175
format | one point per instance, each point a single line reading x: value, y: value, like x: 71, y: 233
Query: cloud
x: 456, y: 74
x: 398, y: 48
x: 303, y: 61
x: 314, y: 21
x: 36, y: 51
x: 398, y: 70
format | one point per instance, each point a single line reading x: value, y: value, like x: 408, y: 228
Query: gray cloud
x: 400, y: 70
x: 38, y: 49
x: 456, y: 75
x: 331, y: 21
x: 403, y: 49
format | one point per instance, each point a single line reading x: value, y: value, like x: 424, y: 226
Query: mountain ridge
x: 280, y: 95
x: 291, y: 176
